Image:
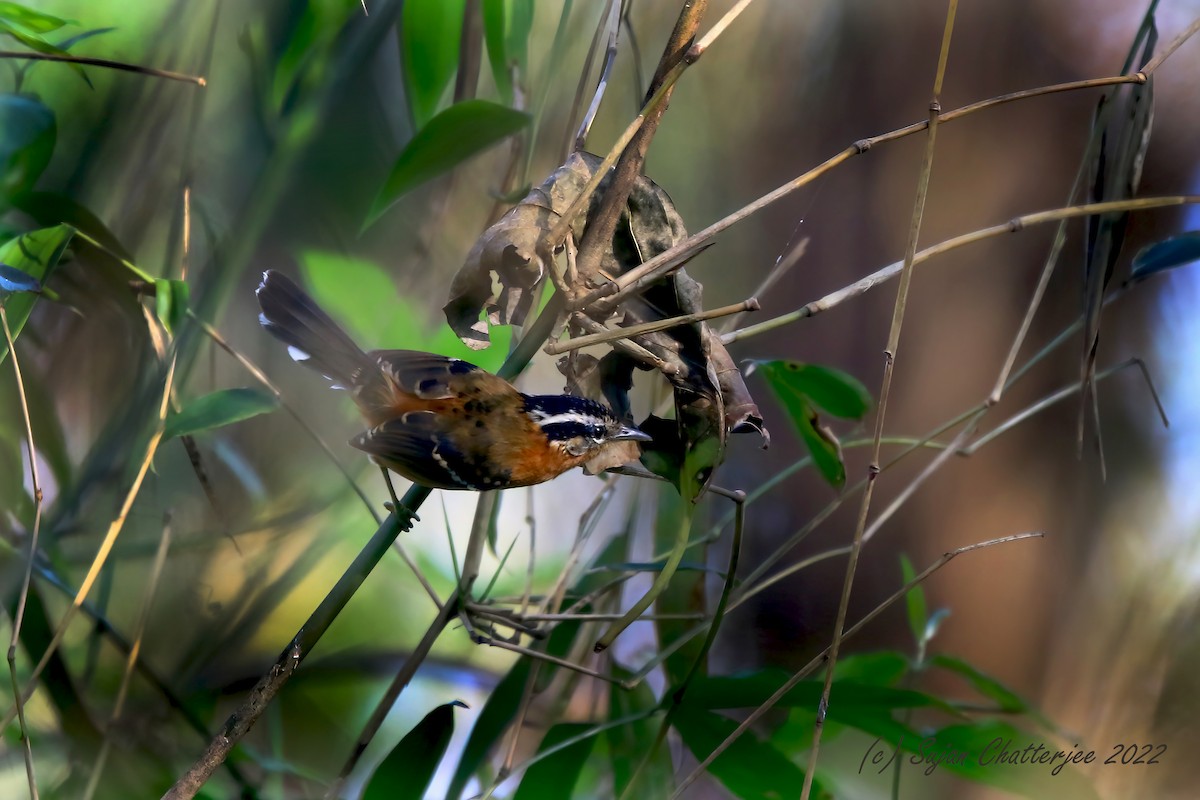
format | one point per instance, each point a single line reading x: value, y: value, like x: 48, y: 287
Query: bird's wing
x: 418, y: 446
x: 434, y: 377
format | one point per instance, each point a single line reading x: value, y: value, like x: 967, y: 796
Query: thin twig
x: 31, y: 553
x: 662, y: 264
x: 103, y: 62
x: 555, y: 348
x: 918, y: 214
x: 1014, y: 225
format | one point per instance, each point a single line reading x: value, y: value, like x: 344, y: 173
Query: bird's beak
x: 630, y: 435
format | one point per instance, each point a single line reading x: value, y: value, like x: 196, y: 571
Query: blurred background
x: 1095, y: 623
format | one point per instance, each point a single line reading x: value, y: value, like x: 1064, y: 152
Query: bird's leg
x: 395, y: 506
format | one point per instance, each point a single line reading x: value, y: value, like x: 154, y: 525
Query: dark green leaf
x: 171, y: 303
x: 450, y: 138
x: 506, y: 26
x: 67, y: 44
x: 1006, y: 699
x: 1167, y: 254
x: 219, y: 409
x: 821, y: 444
x: 429, y: 39
x: 831, y: 390
x: 53, y: 208
x: 749, y: 768
x: 914, y: 601
x: 37, y: 254
x: 13, y: 280
x: 629, y: 744
x: 501, y: 708
x: 307, y: 58
x: 408, y: 769
x: 27, y: 136
x: 495, y: 19
x: 555, y: 776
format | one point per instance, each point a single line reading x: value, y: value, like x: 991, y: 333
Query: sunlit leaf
x: 36, y: 254
x: 450, y: 138
x: 555, y: 776
x: 407, y: 770
x: 360, y: 295
x: 218, y: 409
x: 171, y: 303
x: 430, y: 31
x: 28, y: 18
x: 1167, y: 254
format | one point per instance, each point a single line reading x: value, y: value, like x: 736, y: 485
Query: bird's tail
x: 312, y: 337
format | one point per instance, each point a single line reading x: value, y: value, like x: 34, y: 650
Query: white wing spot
x: 444, y: 464
x: 297, y: 354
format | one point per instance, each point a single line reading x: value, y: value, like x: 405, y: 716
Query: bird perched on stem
x: 438, y: 421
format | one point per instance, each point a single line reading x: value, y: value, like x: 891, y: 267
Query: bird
x: 439, y: 421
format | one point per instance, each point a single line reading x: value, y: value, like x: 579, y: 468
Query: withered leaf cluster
x: 516, y: 254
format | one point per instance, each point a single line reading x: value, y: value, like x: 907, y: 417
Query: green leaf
x: 307, y: 57
x: 36, y: 253
x: 555, y: 776
x: 430, y: 31
x: 29, y: 19
x: 914, y: 601
x: 408, y: 769
x: 821, y: 443
x: 1167, y: 254
x: 506, y: 26
x: 749, y: 768
x: 27, y: 136
x: 450, y: 138
x: 360, y: 295
x: 218, y: 409
x: 1006, y: 699
x: 171, y: 303
x: 628, y: 744
x: 501, y: 708
x: 833, y: 391
x: 802, y: 388
x: 883, y: 668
